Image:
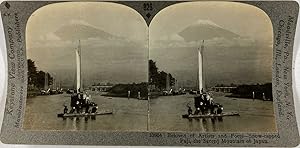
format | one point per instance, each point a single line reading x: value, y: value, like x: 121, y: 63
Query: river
x: 165, y: 115
x: 255, y: 116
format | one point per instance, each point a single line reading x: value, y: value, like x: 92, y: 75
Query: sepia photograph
x: 98, y: 66
x: 210, y: 68
x: 149, y: 73
x: 87, y: 68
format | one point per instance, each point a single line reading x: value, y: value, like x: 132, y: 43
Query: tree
x: 159, y: 78
x: 35, y: 77
x: 153, y: 72
x: 172, y: 80
x: 32, y: 72
x: 162, y: 81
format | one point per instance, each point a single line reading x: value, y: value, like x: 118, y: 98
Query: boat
x: 84, y: 114
x: 45, y: 92
x: 78, y: 92
x: 211, y: 115
x: 203, y: 101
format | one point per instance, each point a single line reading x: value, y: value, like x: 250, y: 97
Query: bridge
x: 225, y: 89
x: 101, y: 88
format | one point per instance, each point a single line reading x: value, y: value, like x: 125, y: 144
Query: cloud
x: 82, y: 22
x: 51, y: 37
x: 173, y: 41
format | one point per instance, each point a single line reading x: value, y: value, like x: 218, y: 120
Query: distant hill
x: 81, y: 31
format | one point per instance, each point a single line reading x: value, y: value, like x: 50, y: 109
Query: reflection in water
x: 74, y: 124
x: 213, y: 124
x: 78, y: 123
x: 190, y: 124
x: 86, y: 123
x: 205, y: 125
x: 220, y: 119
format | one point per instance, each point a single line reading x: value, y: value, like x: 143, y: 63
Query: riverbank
x: 33, y: 93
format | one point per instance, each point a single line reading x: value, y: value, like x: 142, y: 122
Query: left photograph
x: 87, y: 68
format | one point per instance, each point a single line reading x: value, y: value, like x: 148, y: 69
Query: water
x: 255, y: 116
x: 128, y: 114
x: 165, y: 115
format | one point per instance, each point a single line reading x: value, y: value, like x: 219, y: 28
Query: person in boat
x: 87, y: 103
x: 219, y: 108
x: 65, y: 109
x: 190, y: 111
x: 77, y: 101
x: 205, y: 103
x: 87, y: 108
x: 199, y: 105
x: 210, y: 104
x: 74, y: 99
x: 82, y: 102
x: 94, y: 107
x: 78, y: 106
x: 197, y: 111
x: 197, y: 101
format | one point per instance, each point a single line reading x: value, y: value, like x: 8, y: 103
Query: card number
x: 148, y: 7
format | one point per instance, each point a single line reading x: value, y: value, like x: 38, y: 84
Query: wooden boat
x: 78, y: 88
x: 84, y: 114
x: 211, y: 115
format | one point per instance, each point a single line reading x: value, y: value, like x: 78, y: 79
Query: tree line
x: 121, y: 90
x: 261, y: 91
x: 159, y: 78
x: 36, y: 78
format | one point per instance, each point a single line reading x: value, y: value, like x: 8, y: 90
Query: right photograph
x: 210, y: 68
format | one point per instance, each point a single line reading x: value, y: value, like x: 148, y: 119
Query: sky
x: 244, y: 59
x: 114, y: 42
